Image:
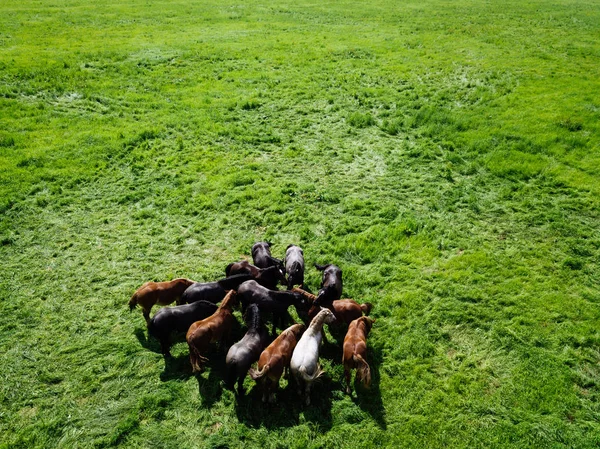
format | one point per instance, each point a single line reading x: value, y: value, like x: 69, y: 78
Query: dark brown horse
x: 162, y: 293
x: 245, y: 352
x: 331, y: 284
x: 355, y: 352
x: 275, y: 302
x: 294, y: 266
x: 210, y: 330
x: 261, y: 255
x: 274, y: 360
x: 169, y: 320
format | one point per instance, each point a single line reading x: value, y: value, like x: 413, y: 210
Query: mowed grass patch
x: 444, y: 156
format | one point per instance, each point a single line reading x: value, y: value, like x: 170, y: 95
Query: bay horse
x: 210, y: 330
x: 169, y: 320
x: 355, y: 352
x: 245, y: 352
x: 304, y: 365
x: 331, y: 284
x: 273, y: 301
x: 294, y: 266
x: 213, y: 291
x: 161, y: 293
x: 261, y: 255
x: 274, y: 360
x: 268, y: 277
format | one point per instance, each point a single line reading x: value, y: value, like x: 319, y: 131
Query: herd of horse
x: 294, y: 351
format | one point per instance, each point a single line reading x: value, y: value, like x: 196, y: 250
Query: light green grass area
x: 444, y: 154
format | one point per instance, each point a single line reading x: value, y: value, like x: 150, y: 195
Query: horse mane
x: 252, y: 317
x: 229, y: 300
x: 233, y: 282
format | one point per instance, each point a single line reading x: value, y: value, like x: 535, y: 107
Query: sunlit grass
x: 445, y: 155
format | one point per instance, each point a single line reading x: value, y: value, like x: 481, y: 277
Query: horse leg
x: 274, y: 386
x: 348, y: 376
x: 307, y: 393
x: 165, y: 347
x: 146, y: 314
x: 241, y: 386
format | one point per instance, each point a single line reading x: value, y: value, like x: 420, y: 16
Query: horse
x: 261, y: 255
x: 331, y: 284
x: 162, y: 293
x: 355, y: 352
x: 274, y: 360
x: 245, y: 352
x: 276, y: 302
x: 177, y: 319
x: 294, y: 266
x: 213, y: 291
x: 268, y: 277
x: 304, y: 364
x: 210, y: 330
x: 345, y: 310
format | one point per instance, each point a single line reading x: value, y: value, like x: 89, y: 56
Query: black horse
x: 213, y: 291
x: 245, y: 352
x: 331, y: 285
x: 169, y: 320
x: 272, y: 301
x: 294, y: 266
x: 261, y: 255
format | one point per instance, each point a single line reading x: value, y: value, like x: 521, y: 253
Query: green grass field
x: 444, y: 154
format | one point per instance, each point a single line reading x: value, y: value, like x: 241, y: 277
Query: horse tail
x: 308, y: 377
x: 133, y: 301
x: 366, y: 308
x: 257, y: 375
x: 363, y: 372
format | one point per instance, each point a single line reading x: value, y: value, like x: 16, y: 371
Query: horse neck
x: 228, y: 301
x: 254, y: 320
x: 304, y: 293
x: 317, y: 323
x: 269, y: 273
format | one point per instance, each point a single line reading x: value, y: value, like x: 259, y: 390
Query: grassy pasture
x: 444, y: 154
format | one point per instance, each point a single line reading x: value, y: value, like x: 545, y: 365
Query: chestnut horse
x: 274, y: 360
x: 355, y: 352
x: 162, y: 293
x: 268, y: 277
x: 245, y: 352
x: 210, y: 330
x: 345, y: 310
x: 304, y: 364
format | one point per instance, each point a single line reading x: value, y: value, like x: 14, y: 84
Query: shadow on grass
x: 370, y: 400
x: 286, y: 411
x: 146, y: 341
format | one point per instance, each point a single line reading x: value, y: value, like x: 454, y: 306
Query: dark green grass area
x: 444, y: 154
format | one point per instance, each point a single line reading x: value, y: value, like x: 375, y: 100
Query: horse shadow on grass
x: 369, y: 400
x: 146, y: 341
x: 251, y: 411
